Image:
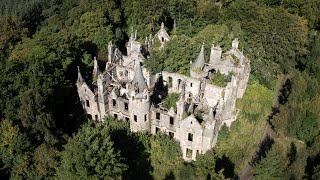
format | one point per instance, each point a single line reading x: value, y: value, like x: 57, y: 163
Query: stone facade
x: 127, y: 91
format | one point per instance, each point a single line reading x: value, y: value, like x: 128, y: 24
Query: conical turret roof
x: 199, y: 63
x: 138, y: 81
x: 80, y: 79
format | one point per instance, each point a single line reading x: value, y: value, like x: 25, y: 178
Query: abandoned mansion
x: 128, y: 91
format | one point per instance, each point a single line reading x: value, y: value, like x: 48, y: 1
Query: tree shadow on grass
x: 262, y: 151
x: 225, y: 163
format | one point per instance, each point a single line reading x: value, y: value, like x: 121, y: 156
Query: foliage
x: 13, y: 148
x: 270, y: 167
x: 12, y: 31
x: 256, y: 101
x: 170, y: 100
x: 224, y: 132
x: 89, y: 154
x: 175, y: 56
x: 205, y: 165
x: 220, y: 79
x: 275, y: 47
x: 299, y: 117
x: 137, y: 157
x: 245, y: 133
x: 165, y: 155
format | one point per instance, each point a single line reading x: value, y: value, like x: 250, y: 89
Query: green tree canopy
x: 89, y: 154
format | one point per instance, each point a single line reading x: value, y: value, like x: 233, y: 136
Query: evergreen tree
x: 271, y: 167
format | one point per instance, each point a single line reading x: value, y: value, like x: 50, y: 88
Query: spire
x: 162, y: 25
x: 199, y: 63
x: 80, y: 79
x: 138, y: 81
x: 96, y: 70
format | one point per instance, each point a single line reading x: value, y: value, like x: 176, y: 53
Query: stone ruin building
x: 126, y: 90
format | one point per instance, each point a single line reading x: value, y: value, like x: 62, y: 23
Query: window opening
x: 190, y: 137
x: 158, y: 116
x: 171, y: 120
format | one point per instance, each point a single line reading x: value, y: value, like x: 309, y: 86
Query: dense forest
x: 45, y: 133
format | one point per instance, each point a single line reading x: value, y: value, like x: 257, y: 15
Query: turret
x: 80, y: 79
x: 199, y: 63
x: 133, y: 45
x: 138, y: 82
x: 96, y: 70
x: 197, y: 67
x: 139, y: 101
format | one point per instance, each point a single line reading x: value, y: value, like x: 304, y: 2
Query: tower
x: 197, y: 67
x: 139, y: 101
x: 79, y: 79
x: 96, y: 70
x: 215, y: 55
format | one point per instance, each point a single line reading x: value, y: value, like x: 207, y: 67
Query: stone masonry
x: 126, y: 90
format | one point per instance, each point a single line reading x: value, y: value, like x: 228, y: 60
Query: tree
x: 272, y: 37
x: 12, y: 30
x: 14, y: 147
x: 165, y: 155
x: 205, y: 165
x: 316, y: 174
x: 270, y: 167
x: 89, y: 154
x: 45, y: 160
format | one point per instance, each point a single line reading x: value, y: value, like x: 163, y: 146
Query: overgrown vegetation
x: 42, y: 122
x: 220, y: 79
x: 170, y: 100
x: 245, y: 133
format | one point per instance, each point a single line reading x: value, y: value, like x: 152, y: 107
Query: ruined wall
x: 213, y: 94
x: 163, y: 120
x: 190, y: 126
x: 89, y: 101
x: 175, y: 82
